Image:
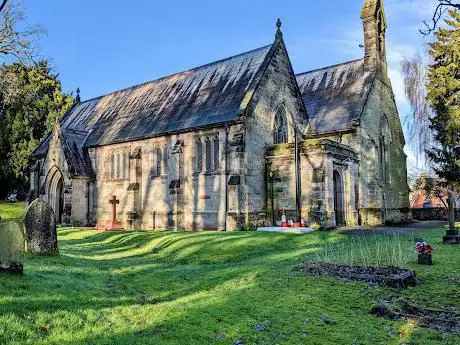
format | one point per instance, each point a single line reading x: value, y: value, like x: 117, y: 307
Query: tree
x: 444, y: 97
x: 17, y: 41
x: 32, y: 102
x: 2, y: 5
x: 440, y: 10
x: 415, y: 75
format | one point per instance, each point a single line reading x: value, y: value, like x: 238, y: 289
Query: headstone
x: 12, y: 246
x: 40, y: 224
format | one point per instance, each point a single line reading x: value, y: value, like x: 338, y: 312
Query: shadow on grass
x: 106, y: 269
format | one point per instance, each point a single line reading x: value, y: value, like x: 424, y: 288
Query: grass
x: 373, y: 250
x: 208, y: 288
x: 11, y: 210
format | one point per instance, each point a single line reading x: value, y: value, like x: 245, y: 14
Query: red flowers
x: 424, y: 248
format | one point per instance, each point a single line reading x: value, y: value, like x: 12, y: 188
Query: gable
x: 278, y: 87
x: 66, y: 152
x: 335, y: 96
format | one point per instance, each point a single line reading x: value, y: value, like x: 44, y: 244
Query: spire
x: 279, y: 33
x: 375, y: 25
x: 77, y: 98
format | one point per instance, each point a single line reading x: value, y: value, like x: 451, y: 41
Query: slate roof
x: 335, y: 96
x: 203, y: 96
x: 77, y: 159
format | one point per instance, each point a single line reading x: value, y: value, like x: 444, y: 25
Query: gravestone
x: 452, y: 235
x: 40, y: 224
x: 12, y: 246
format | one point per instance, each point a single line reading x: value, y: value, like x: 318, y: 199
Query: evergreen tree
x: 32, y: 100
x: 444, y: 97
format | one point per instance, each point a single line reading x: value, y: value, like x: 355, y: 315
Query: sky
x: 102, y: 46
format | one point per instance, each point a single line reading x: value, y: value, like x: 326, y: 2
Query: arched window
x: 199, y: 155
x: 280, y: 134
x: 112, y: 165
x: 216, y: 153
x: 208, y: 154
x: 382, y: 158
x: 125, y: 165
x: 118, y: 165
x: 165, y: 159
x: 158, y: 161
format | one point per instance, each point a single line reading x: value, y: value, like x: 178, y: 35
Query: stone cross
x: 114, y: 202
x: 452, y: 236
x: 451, y: 210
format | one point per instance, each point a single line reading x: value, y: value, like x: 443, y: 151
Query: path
x: 392, y: 230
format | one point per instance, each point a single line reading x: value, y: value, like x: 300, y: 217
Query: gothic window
x: 199, y: 155
x: 382, y: 158
x: 280, y: 135
x: 158, y: 158
x: 216, y: 153
x: 165, y: 159
x: 208, y: 155
x: 125, y: 165
x: 118, y: 165
x: 112, y: 166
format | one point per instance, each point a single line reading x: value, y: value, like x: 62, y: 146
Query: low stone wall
x: 435, y: 213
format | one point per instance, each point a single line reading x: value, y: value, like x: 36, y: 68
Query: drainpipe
x: 226, y: 176
x: 88, y: 185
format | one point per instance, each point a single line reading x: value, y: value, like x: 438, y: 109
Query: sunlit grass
x: 209, y: 288
x: 11, y: 210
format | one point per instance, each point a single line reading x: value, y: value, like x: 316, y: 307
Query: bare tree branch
x: 15, y: 42
x: 415, y: 75
x: 439, y: 12
x: 3, y: 5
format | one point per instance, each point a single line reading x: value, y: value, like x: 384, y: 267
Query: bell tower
x: 375, y: 25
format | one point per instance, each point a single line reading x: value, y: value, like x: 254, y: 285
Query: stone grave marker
x: 12, y: 245
x: 40, y: 224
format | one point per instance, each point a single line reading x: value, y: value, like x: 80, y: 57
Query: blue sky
x: 102, y: 46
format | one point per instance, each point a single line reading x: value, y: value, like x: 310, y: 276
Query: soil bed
x: 446, y: 319
x: 383, y: 276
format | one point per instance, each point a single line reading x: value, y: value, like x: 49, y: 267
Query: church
x: 234, y: 144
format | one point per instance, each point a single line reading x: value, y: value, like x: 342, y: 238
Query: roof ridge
x: 328, y: 67
x: 176, y: 73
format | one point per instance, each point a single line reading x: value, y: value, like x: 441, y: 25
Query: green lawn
x: 207, y: 288
x: 11, y: 210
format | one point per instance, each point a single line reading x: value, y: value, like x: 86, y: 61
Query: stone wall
x: 318, y: 161
x: 278, y: 88
x: 384, y: 192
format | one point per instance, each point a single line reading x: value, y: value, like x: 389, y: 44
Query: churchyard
x: 226, y: 288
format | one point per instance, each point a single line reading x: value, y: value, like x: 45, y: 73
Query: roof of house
x: 202, y: 96
x: 335, y: 96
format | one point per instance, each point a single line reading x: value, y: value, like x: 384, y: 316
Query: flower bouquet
x: 424, y: 251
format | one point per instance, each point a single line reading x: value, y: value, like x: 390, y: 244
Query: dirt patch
x: 383, y: 276
x: 446, y: 319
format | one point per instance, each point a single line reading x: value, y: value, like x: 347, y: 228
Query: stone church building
x: 232, y: 144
